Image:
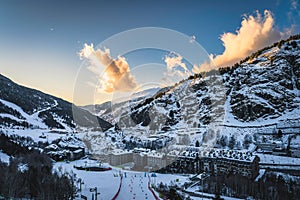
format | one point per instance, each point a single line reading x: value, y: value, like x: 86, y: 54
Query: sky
x: 41, y: 41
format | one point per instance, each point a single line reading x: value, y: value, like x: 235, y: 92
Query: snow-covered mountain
x: 261, y: 90
x: 105, y: 109
x: 259, y: 94
x: 28, y: 108
x: 266, y: 87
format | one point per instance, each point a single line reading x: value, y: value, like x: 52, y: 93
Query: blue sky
x: 39, y: 40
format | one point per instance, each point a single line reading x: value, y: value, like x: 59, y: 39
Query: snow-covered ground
x: 209, y: 196
x: 106, y: 182
x: 4, y: 157
x: 199, y: 198
x: 35, y: 134
x: 34, y: 118
x: 134, y: 184
x: 31, y: 119
x: 279, y: 160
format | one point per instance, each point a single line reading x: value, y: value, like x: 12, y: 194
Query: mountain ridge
x: 38, y: 106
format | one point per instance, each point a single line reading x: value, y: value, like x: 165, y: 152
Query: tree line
x: 29, y: 174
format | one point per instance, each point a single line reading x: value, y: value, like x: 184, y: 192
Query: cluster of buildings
x: 66, y: 148
x: 191, y: 160
x: 68, y: 153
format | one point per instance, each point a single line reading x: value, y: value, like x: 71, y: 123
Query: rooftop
x: 218, y: 153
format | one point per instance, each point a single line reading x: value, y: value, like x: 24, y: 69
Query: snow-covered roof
x: 52, y: 147
x: 138, y: 150
x: 155, y: 154
x: 245, y: 156
x: 78, y: 151
x: 71, y: 142
x: 120, y: 151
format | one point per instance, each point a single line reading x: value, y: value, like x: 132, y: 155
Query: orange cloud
x: 255, y: 33
x: 114, y: 74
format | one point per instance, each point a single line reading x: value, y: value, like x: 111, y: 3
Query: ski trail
x: 36, y: 114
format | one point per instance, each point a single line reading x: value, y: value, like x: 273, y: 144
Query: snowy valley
x: 238, y: 123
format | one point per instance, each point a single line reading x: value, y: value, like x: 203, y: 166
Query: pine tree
x: 232, y: 142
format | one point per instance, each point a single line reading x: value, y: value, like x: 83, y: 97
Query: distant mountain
x: 30, y: 108
x: 99, y: 109
x: 105, y: 109
x: 145, y: 93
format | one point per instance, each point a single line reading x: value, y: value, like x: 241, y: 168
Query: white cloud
x: 114, y: 74
x: 174, y: 60
x: 176, y: 68
x: 192, y: 39
x: 255, y: 33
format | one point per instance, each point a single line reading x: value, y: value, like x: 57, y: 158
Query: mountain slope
x: 262, y: 89
x: 25, y: 107
x: 266, y: 87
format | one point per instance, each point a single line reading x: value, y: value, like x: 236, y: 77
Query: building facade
x: 215, y: 161
x: 119, y: 157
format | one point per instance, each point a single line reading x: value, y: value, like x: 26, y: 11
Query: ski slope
x: 106, y: 182
x: 135, y: 186
x: 31, y: 119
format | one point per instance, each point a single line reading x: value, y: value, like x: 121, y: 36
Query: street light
x: 80, y: 182
x: 96, y: 193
